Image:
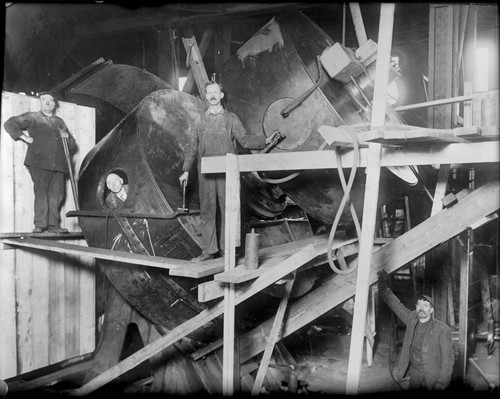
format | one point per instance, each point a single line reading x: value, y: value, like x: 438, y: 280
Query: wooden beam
x: 214, y: 289
x: 404, y: 136
x: 462, y: 251
x: 454, y: 154
x: 359, y: 27
x: 204, y: 269
x: 444, y: 101
x: 97, y: 253
x: 441, y: 186
x: 196, y: 63
x: 391, y: 257
x: 470, y: 46
x: 467, y: 105
x: 205, y: 40
x: 273, y: 337
x: 215, y: 266
x: 232, y: 240
x: 370, y: 206
x: 484, y: 220
x: 285, y: 268
x: 440, y: 63
x: 45, y: 234
x: 52, y: 378
x: 240, y: 274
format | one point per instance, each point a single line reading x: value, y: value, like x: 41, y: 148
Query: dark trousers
x: 212, y: 188
x: 48, y: 187
x: 417, y: 378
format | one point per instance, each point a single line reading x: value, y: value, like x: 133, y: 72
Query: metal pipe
x: 70, y: 168
x: 295, y: 103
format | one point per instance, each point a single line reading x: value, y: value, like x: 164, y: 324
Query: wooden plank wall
x: 47, y: 300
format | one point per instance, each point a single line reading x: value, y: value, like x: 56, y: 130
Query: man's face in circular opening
x: 114, y: 183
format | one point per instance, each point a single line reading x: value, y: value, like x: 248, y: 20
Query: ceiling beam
x: 166, y: 16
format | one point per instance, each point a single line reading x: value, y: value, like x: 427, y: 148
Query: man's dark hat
x: 425, y: 298
x: 49, y: 93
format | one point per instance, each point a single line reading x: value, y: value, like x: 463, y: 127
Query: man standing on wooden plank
x: 427, y: 344
x: 44, y: 133
x: 215, y: 133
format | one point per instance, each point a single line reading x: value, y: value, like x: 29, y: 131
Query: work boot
x: 203, y: 257
x: 58, y: 230
x: 38, y: 230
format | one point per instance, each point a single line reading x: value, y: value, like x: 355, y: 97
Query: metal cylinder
x: 252, y: 251
x: 4, y: 388
x: 293, y: 381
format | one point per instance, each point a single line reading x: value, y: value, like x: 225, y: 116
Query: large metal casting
x: 275, y: 82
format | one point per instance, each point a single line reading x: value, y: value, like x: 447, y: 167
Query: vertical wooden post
x: 467, y: 105
x: 464, y: 259
x: 231, y: 239
x: 470, y: 46
x: 451, y: 305
x: 370, y: 205
x: 440, y: 63
x: 359, y: 27
x: 273, y: 337
x: 440, y: 192
x: 454, y: 63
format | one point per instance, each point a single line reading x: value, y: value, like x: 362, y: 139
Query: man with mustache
x: 427, y: 345
x: 215, y: 133
x: 44, y: 132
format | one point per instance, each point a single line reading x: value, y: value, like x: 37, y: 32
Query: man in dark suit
x: 427, y: 345
x: 44, y: 133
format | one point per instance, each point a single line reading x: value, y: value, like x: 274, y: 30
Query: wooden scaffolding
x: 235, y: 284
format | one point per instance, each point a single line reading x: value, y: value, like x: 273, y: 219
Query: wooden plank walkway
x: 266, y: 255
x: 276, y: 255
x: 46, y: 234
x: 97, y: 253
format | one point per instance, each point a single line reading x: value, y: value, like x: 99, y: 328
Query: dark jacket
x: 113, y: 201
x: 46, y: 151
x: 437, y: 349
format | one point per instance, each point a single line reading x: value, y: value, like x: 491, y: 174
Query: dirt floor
x: 322, y: 355
x: 321, y: 352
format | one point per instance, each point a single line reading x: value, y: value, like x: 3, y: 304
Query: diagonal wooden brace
x: 286, y: 267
